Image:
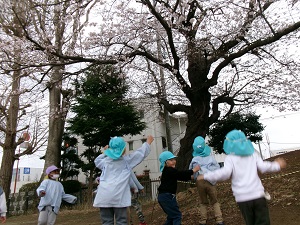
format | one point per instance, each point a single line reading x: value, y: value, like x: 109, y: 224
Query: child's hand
x: 281, y: 162
x: 200, y: 177
x: 196, y: 168
x: 150, y: 139
x: 106, y: 147
x: 42, y: 193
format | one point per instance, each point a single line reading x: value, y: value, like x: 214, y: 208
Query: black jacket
x: 169, y: 179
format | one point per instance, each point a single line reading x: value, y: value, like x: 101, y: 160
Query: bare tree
x: 51, y: 29
x: 18, y: 117
x: 218, y: 56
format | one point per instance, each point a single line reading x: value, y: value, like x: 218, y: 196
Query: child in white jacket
x: 242, y: 165
x: 114, y: 195
x: 3, y: 207
x: 51, y: 193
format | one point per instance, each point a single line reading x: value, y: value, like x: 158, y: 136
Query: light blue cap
x: 116, y: 148
x: 51, y: 169
x: 236, y: 143
x: 200, y: 148
x: 163, y: 157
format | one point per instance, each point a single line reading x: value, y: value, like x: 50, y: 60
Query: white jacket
x: 243, y: 170
x: 114, y: 188
x: 3, y: 207
x: 134, y: 183
x: 54, y: 195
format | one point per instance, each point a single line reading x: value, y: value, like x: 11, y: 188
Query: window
x: 130, y: 143
x: 164, y: 142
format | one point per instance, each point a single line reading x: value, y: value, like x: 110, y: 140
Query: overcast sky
x: 281, y: 130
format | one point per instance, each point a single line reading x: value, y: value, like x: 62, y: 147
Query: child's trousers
x: 47, y: 216
x: 108, y: 215
x: 137, y: 207
x: 168, y: 203
x: 208, y: 191
x: 255, y: 212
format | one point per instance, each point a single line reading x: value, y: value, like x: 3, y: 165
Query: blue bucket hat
x: 200, y: 148
x: 116, y: 148
x: 236, y: 143
x: 163, y: 157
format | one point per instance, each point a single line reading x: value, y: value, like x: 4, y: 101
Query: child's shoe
x: 142, y: 223
x: 222, y: 223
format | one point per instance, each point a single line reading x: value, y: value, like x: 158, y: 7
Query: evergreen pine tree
x: 101, y: 111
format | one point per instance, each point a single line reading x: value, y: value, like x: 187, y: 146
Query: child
x: 242, y: 166
x: 115, y: 196
x: 203, y: 158
x: 51, y: 193
x: 168, y: 186
x: 3, y: 207
x: 135, y: 187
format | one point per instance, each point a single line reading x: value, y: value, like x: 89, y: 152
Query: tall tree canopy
x: 101, y: 111
x: 70, y: 159
x: 215, y: 55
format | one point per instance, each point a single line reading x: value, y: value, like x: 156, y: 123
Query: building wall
x: 157, y: 128
x: 25, y: 175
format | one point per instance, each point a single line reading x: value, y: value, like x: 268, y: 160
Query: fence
x: 21, y: 203
x: 24, y: 202
x: 151, y: 188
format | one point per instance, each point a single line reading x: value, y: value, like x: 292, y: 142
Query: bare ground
x: 284, y: 206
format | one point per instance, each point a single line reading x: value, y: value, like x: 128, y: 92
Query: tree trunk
x: 57, y: 112
x: 10, y: 144
x: 56, y: 121
x: 197, y: 125
x: 6, y: 171
x: 89, y: 199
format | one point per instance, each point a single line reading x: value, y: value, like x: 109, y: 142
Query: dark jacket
x: 169, y: 179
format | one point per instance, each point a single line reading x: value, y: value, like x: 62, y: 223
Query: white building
x: 24, y: 175
x: 156, y: 127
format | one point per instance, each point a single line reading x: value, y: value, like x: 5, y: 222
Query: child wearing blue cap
x: 242, y: 165
x: 51, y: 193
x: 114, y: 195
x: 3, y: 207
x: 202, y: 157
x: 168, y: 186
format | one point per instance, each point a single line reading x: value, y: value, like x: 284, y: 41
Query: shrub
x: 29, y: 187
x: 71, y: 186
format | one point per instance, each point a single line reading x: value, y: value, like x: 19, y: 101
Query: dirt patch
x: 284, y: 206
